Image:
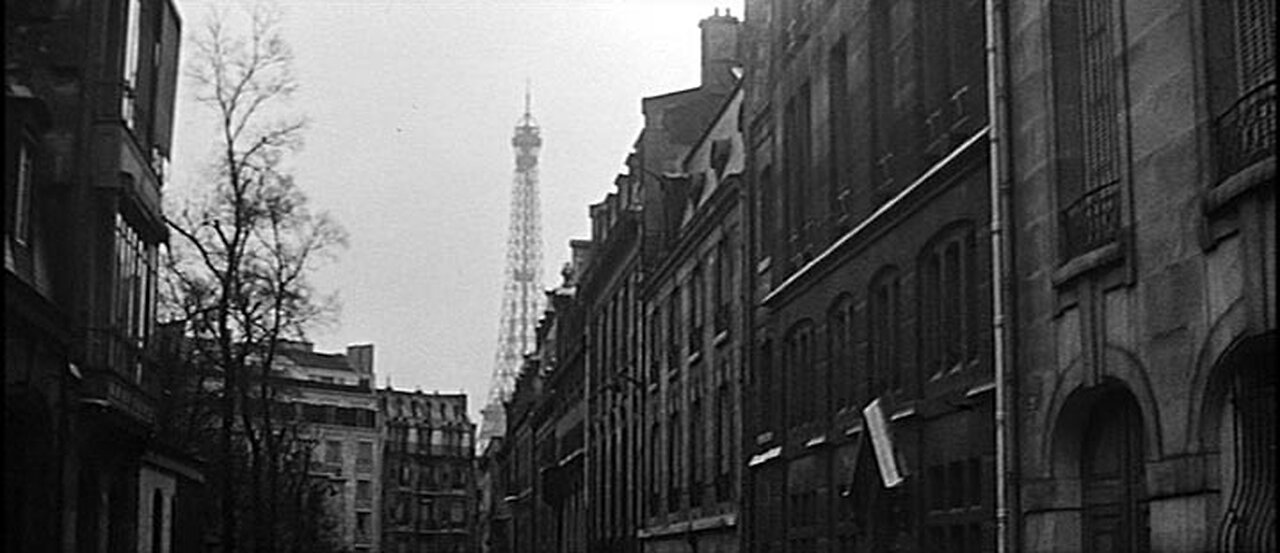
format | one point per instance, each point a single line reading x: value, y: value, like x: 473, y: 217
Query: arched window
x: 840, y: 360
x: 883, y: 331
x: 947, y: 301
x: 805, y: 395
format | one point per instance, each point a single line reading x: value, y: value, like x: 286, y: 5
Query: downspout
x: 1007, y: 520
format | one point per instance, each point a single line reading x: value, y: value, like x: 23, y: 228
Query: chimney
x: 360, y: 357
x: 719, y: 50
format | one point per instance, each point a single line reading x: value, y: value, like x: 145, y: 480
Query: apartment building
x: 869, y: 280
x: 428, y: 472
x: 334, y: 397
x: 89, y: 103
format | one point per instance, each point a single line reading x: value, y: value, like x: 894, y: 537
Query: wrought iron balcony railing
x: 1091, y: 221
x: 1246, y: 133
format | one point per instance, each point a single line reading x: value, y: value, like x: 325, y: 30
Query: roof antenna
x: 527, y: 96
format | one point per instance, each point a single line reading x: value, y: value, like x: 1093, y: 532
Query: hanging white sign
x: 882, y: 442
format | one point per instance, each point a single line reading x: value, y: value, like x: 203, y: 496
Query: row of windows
x: 713, y: 306
x: 399, y: 407
x: 433, y: 476
x: 418, y: 438
x: 703, y: 476
x: 341, y: 416
x: 332, y: 454
x: 430, y: 513
x: 908, y: 132
x: 865, y: 344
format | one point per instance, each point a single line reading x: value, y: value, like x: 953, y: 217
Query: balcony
x: 1246, y: 133
x: 120, y: 374
x: 1091, y: 221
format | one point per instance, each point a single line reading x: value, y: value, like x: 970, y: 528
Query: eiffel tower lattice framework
x: 522, y: 295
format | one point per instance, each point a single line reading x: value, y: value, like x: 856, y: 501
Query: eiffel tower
x: 522, y: 295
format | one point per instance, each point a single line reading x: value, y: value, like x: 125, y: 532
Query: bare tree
x: 237, y: 276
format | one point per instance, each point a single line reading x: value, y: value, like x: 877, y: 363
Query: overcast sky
x: 412, y: 106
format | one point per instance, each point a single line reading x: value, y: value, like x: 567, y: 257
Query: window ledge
x: 1237, y: 185
x: 1099, y: 257
x: 721, y: 337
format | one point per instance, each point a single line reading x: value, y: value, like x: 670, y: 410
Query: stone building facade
x: 333, y: 395
x: 692, y: 359
x: 1142, y: 164
x: 427, y: 473
x: 89, y: 104
x: 869, y: 277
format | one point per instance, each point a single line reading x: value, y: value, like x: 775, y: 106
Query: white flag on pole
x: 886, y: 457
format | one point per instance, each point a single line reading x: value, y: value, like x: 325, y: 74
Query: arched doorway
x: 1113, y: 496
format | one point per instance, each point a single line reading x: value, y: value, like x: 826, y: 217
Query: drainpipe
x: 1007, y: 520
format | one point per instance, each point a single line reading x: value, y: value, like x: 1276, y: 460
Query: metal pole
x: 1002, y: 276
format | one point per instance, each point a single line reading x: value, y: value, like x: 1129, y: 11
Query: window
x: 333, y: 452
x: 807, y: 396
x: 135, y: 286
x: 362, y: 527
x: 766, y: 396
x: 882, y: 113
x: 882, y: 330
x: 364, y: 456
x: 19, y: 194
x: 840, y: 351
x: 723, y: 284
x: 840, y: 122
x: 695, y: 311
x: 673, y: 343
x: 953, y: 76
x: 157, y: 521
x: 655, y: 442
x: 947, y: 304
x: 129, y: 69
x: 798, y: 155
x: 695, y: 452
x: 655, y: 338
x: 364, y: 492
x: 1086, y: 81
x: 673, y: 475
x: 766, y: 210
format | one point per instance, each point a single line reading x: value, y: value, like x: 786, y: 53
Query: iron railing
x: 1091, y: 221
x: 1246, y: 133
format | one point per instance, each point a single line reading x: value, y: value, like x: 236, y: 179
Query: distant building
x: 335, y: 398
x: 89, y: 105
x: 493, y: 516
x: 428, y: 473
